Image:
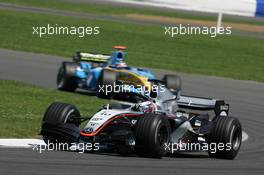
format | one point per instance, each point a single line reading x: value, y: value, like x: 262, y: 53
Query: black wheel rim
x: 74, y: 119
x: 236, y: 139
x: 162, y: 136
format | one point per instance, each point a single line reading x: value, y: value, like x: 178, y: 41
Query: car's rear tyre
x: 228, y: 131
x: 105, y: 84
x: 172, y: 82
x: 60, y: 124
x: 65, y: 78
x: 152, y: 133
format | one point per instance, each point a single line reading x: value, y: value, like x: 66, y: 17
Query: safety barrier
x: 233, y: 7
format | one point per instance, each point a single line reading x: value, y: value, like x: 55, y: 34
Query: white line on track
x: 244, y: 136
x: 20, y: 143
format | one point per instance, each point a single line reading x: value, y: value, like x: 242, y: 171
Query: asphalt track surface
x: 246, y: 99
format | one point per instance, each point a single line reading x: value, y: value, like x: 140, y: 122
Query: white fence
x: 233, y: 7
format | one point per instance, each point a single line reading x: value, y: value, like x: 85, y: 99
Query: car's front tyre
x: 60, y: 124
x: 152, y: 133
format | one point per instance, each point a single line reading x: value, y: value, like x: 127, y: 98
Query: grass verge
x: 238, y: 57
x: 22, y: 107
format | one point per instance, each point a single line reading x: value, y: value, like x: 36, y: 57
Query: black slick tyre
x: 152, y: 133
x: 226, y: 131
x: 65, y: 78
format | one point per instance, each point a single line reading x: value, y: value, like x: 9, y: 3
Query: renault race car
x: 152, y: 127
x: 88, y: 70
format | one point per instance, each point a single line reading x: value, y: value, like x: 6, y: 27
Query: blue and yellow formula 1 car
x: 87, y: 71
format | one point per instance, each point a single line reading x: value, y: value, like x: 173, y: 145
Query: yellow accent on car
x: 132, y: 78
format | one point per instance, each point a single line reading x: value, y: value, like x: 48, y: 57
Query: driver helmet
x: 120, y: 63
x: 148, y: 107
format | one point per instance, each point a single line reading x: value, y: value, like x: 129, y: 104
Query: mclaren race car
x: 88, y: 70
x: 151, y: 127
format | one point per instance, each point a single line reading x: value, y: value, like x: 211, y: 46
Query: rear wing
x: 199, y: 103
x: 91, y: 57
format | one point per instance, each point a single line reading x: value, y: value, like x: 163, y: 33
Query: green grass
x: 232, y: 56
x: 117, y: 10
x: 22, y: 107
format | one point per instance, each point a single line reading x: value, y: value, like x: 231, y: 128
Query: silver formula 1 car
x: 152, y: 127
